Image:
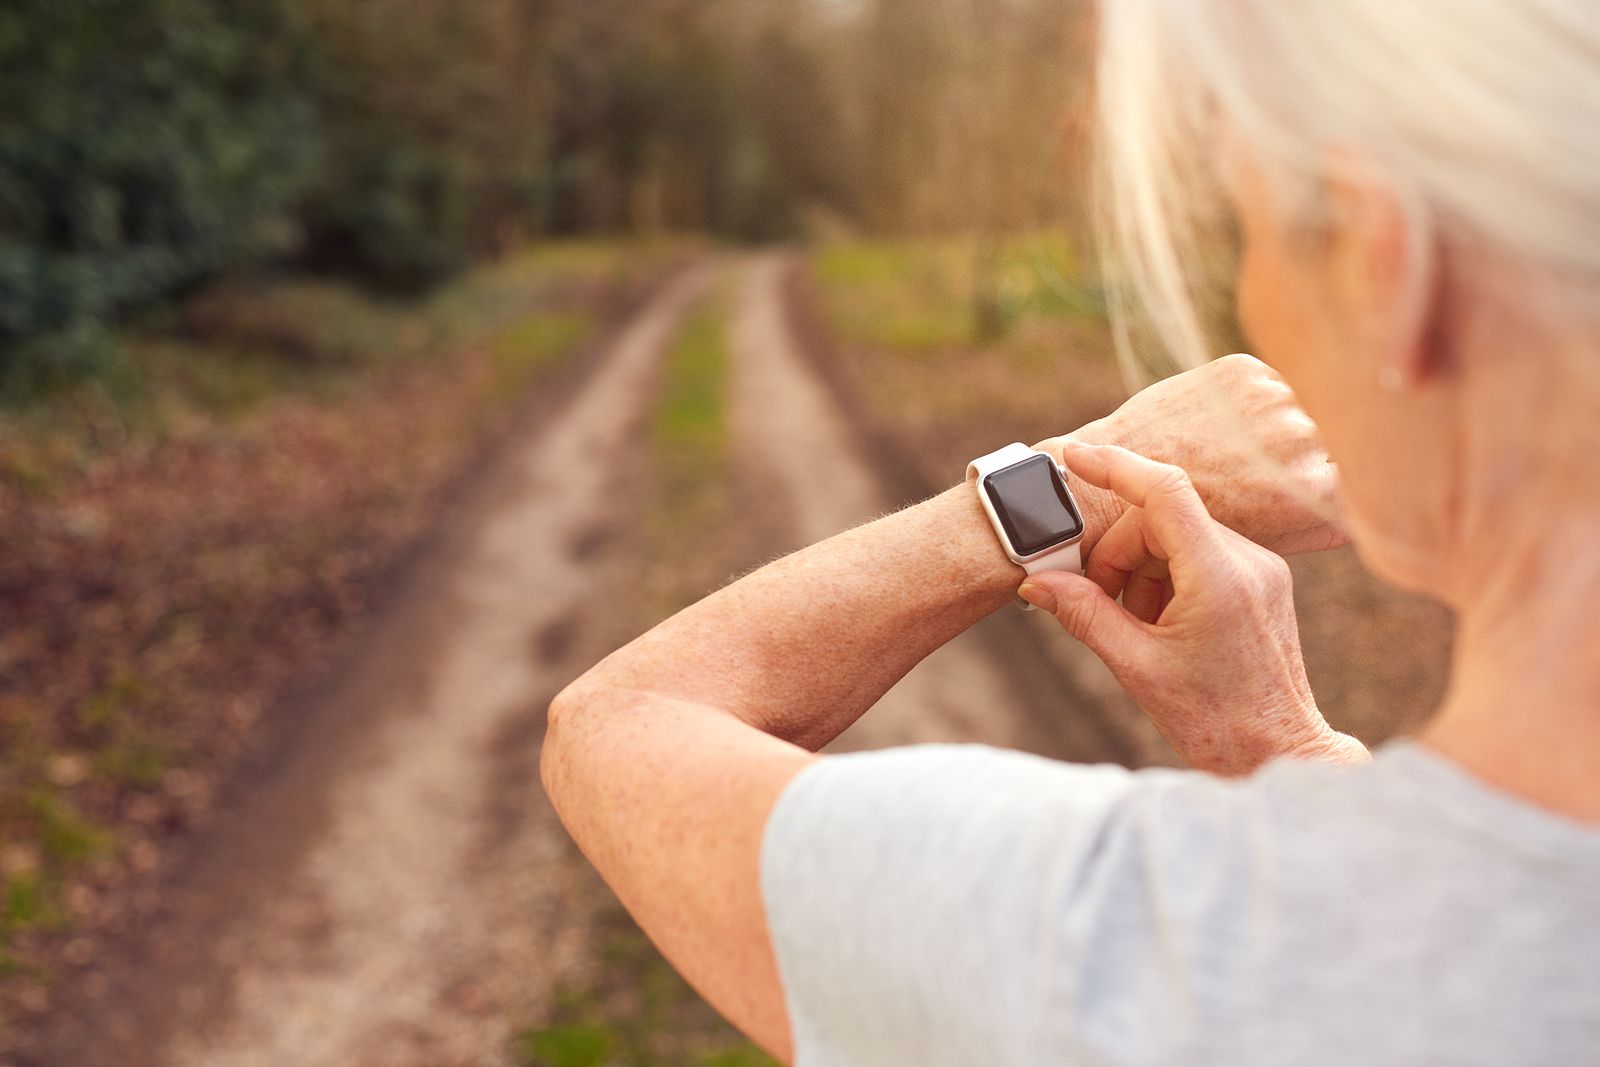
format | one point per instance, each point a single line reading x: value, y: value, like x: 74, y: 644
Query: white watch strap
x: 1065, y: 558
x: 1000, y: 457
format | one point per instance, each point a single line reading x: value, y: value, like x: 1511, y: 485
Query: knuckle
x: 1172, y: 480
x: 1275, y: 566
x: 1241, y: 365
x: 1269, y: 572
x: 1080, y: 614
x: 1298, y: 424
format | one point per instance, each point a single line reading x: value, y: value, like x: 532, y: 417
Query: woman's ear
x: 1383, y: 263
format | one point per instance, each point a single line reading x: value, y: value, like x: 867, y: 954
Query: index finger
x: 1173, y: 511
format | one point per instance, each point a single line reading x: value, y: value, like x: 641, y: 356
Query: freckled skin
x: 1250, y: 450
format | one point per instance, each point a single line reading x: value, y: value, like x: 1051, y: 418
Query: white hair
x: 1482, y: 117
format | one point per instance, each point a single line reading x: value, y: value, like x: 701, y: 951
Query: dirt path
x: 365, y: 904
x: 408, y: 821
x: 396, y: 891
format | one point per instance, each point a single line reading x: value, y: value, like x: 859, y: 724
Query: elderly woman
x: 1415, y: 189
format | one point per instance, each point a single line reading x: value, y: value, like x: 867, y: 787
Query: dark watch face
x: 1033, y: 504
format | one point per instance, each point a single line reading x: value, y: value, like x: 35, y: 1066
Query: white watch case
x: 1063, y: 556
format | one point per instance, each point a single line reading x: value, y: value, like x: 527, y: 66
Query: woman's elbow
x: 554, y: 759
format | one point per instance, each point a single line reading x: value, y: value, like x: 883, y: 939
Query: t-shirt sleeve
x: 911, y: 893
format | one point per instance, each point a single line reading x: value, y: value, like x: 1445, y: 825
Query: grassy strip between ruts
x: 637, y: 1010
x: 929, y: 294
x: 198, y: 524
x: 689, y: 442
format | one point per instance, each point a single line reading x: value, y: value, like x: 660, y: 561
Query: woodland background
x: 151, y: 145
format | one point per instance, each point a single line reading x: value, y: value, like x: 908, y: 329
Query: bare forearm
x: 651, y: 762
x: 802, y: 647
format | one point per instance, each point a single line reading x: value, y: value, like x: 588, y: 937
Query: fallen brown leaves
x: 156, y: 603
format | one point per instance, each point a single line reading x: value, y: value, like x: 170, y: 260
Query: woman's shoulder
x: 1407, y: 806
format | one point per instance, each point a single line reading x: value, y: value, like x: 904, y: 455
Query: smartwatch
x: 1024, y: 492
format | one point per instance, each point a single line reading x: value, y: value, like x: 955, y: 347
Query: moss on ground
x: 636, y: 1013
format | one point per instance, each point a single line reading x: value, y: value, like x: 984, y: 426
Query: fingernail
x: 1038, y: 596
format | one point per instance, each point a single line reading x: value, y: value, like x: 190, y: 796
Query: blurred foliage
x: 434, y: 131
x: 713, y: 115
x: 903, y: 316
x: 930, y: 294
x: 145, y: 144
x: 149, y: 145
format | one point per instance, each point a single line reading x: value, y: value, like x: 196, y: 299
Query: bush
x: 433, y: 118
x: 395, y: 215
x: 147, y: 144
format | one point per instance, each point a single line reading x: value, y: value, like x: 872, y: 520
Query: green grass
x: 692, y: 418
x: 65, y: 837
x: 689, y: 431
x: 945, y: 340
x: 570, y: 1045
x: 27, y: 903
x: 936, y: 294
x: 536, y: 344
x: 899, y: 295
x: 220, y: 357
x: 689, y: 459
x: 46, y: 838
x: 637, y: 1013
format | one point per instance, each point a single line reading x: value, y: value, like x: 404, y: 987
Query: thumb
x: 1085, y: 611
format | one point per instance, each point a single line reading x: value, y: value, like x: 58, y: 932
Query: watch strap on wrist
x: 1065, y: 558
x: 999, y: 459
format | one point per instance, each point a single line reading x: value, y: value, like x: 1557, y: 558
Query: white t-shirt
x: 959, y: 905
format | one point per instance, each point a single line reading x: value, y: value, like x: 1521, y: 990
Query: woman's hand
x: 1205, y: 638
x: 1254, y: 456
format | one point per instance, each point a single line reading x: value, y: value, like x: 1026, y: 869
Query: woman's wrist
x: 973, y: 554
x: 1333, y: 747
x: 1315, y: 741
x: 963, y: 516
